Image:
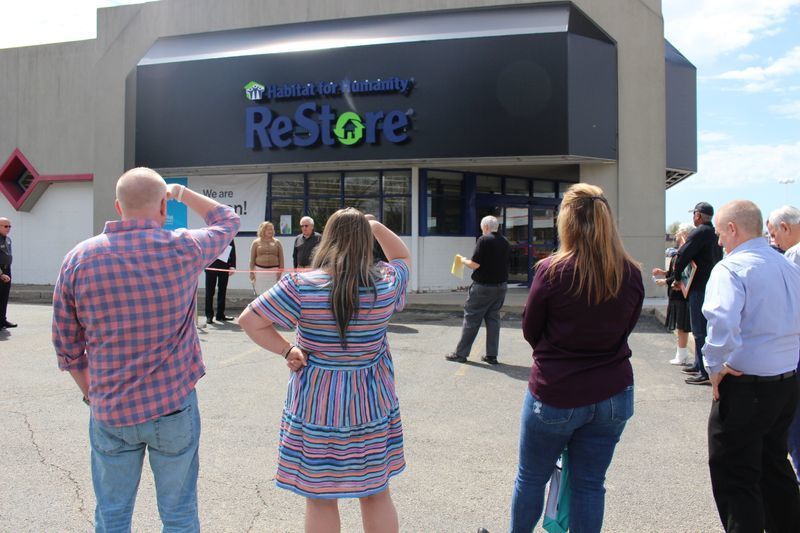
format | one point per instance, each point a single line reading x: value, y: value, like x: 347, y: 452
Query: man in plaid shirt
x: 124, y: 327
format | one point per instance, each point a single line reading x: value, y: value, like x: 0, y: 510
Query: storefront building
x: 428, y: 115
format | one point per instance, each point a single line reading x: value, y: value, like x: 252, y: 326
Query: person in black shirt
x: 5, y: 271
x: 226, y: 261
x: 701, y: 246
x: 305, y: 243
x: 487, y: 293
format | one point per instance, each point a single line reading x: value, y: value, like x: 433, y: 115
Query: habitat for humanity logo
x: 254, y: 91
x: 314, y: 123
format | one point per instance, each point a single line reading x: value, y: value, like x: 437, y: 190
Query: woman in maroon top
x: 584, y: 302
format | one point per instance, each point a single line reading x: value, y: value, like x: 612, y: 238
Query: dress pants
x: 212, y: 278
x: 753, y: 483
x: 483, y: 305
x: 5, y: 290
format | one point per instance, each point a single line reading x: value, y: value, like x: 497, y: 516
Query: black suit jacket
x: 231, y: 263
x: 702, y: 248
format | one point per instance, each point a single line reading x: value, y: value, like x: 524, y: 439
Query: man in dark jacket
x: 226, y: 261
x: 701, y: 250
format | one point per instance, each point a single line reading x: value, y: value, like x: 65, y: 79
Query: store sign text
x: 312, y: 123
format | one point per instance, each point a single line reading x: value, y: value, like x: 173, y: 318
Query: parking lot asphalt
x: 461, y: 424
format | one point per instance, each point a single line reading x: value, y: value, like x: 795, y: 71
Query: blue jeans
x: 590, y: 434
x: 117, y: 456
x: 698, y: 321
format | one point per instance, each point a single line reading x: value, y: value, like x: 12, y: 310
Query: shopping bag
x: 556, y: 511
x: 458, y: 267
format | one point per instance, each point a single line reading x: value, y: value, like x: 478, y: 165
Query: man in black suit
x: 701, y: 246
x: 226, y: 261
x: 5, y: 271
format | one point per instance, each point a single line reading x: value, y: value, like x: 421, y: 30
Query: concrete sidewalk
x: 448, y: 301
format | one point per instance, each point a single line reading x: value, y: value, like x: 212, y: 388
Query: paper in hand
x: 458, y: 267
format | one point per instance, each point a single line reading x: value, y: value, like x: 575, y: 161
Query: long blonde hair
x: 345, y: 252
x: 589, y: 241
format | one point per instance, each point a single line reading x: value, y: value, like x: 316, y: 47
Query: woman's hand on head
x: 296, y: 359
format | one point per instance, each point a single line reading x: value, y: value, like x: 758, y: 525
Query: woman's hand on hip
x: 296, y: 359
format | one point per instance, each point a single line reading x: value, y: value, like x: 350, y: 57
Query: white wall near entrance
x: 42, y: 237
x: 435, y: 260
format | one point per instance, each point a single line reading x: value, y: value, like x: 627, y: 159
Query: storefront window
x: 544, y: 189
x: 321, y: 209
x: 488, y: 184
x: 324, y: 184
x: 286, y: 214
x: 397, y: 214
x: 518, y: 187
x: 362, y: 184
x: 287, y: 185
x: 370, y: 206
x: 445, y: 203
x: 396, y: 182
x: 385, y: 194
x: 562, y: 188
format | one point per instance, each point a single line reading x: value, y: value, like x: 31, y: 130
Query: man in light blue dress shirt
x: 752, y: 306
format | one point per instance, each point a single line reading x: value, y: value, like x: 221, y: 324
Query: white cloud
x: 760, y: 79
x: 784, y: 66
x: 737, y: 165
x: 789, y: 109
x: 713, y: 136
x: 747, y: 58
x: 706, y: 29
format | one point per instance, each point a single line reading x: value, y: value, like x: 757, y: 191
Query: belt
x: 746, y: 378
x: 262, y: 266
x: 489, y: 284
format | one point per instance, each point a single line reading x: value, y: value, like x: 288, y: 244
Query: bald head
x: 745, y: 214
x: 5, y: 226
x: 738, y: 222
x: 140, y: 193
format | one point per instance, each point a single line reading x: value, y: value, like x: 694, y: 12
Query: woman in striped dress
x: 341, y: 435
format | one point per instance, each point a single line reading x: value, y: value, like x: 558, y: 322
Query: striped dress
x: 341, y: 434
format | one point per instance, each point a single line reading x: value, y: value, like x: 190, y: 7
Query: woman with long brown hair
x: 341, y: 434
x: 583, y: 304
x: 266, y: 258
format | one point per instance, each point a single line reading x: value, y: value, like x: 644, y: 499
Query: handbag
x: 556, y: 511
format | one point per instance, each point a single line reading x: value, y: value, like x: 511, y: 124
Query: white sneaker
x: 677, y: 361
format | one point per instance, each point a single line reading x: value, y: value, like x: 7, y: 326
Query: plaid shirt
x: 124, y: 305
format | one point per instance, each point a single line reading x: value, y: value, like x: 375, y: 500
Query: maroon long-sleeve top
x: 580, y: 350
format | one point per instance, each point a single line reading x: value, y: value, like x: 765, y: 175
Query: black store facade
x: 429, y: 121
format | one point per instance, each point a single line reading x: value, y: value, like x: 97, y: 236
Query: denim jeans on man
x: 484, y: 302
x: 698, y: 321
x: 590, y: 434
x: 117, y: 457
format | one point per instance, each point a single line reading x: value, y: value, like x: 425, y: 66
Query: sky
x: 747, y: 54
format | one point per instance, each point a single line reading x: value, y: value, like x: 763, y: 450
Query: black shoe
x: 8, y: 324
x: 455, y: 357
x: 209, y: 320
x: 690, y: 370
x: 489, y: 359
x: 224, y: 318
x: 483, y: 530
x: 698, y: 380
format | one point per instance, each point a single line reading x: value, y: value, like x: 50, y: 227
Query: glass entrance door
x: 543, y: 233
x: 531, y: 232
